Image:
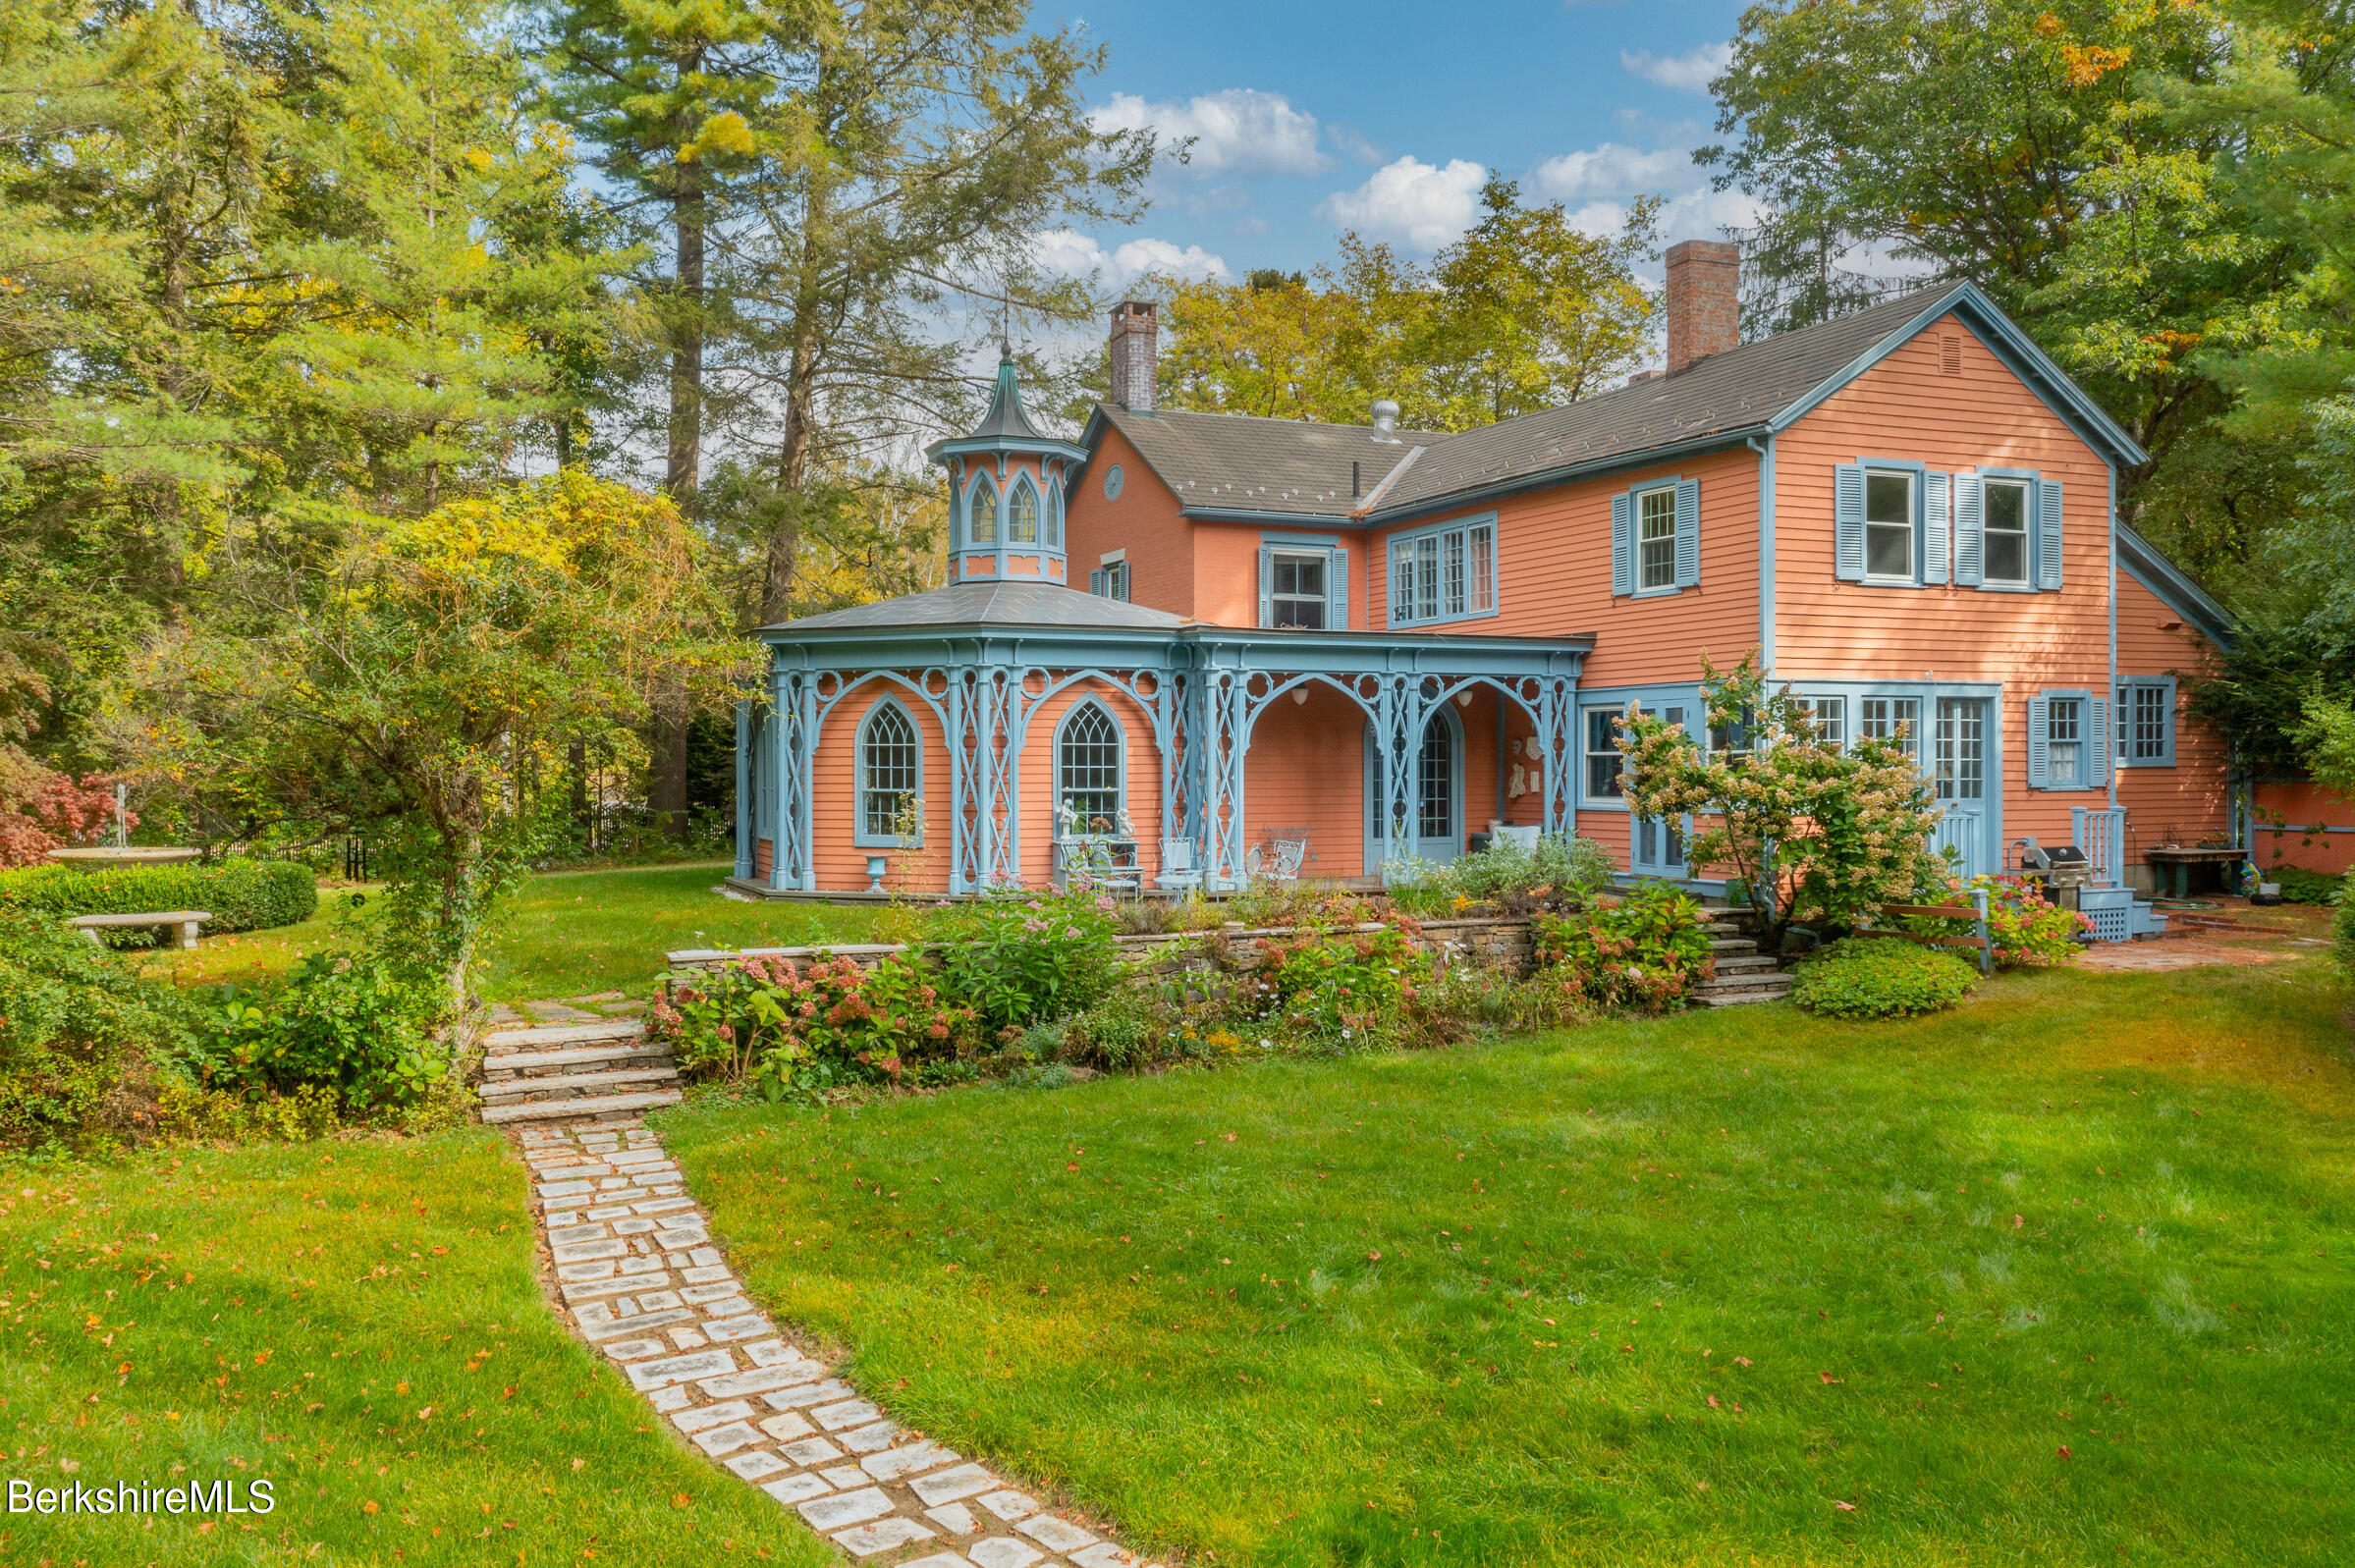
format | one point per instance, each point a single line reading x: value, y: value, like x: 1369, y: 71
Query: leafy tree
x: 426, y: 685
x: 1523, y: 312
x: 1815, y: 831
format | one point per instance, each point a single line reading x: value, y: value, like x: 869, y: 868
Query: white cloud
x: 1411, y: 200
x: 1681, y: 73
x: 1355, y: 145
x: 1240, y: 130
x: 1613, y: 169
x: 1075, y: 254
x: 1702, y: 214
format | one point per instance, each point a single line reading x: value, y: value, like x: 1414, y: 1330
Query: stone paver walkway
x: 641, y: 1281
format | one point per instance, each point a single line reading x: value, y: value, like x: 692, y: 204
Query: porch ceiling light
x: 1300, y: 695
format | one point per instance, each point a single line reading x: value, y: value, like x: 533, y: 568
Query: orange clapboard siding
x: 1826, y: 630
x: 2187, y: 800
x: 1306, y: 768
x: 1143, y: 521
x: 1035, y: 780
x: 1553, y: 571
x: 841, y: 865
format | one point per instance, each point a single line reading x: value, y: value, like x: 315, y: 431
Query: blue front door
x: 1436, y: 822
x: 1959, y: 757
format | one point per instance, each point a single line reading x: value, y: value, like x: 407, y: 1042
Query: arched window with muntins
x: 981, y: 512
x: 1021, y: 513
x: 1054, y: 515
x: 891, y: 773
x: 1087, y: 768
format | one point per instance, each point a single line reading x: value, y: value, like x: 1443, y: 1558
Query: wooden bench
x: 1975, y: 912
x: 187, y: 920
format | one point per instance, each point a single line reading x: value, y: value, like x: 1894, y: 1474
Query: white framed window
x: 1296, y: 594
x: 1888, y: 527
x: 2064, y: 741
x: 1830, y: 716
x: 1961, y: 748
x: 2145, y: 722
x: 1109, y: 581
x: 2068, y: 740
x: 1604, y: 763
x: 2007, y: 532
x: 891, y: 777
x: 1656, y: 539
x: 1088, y: 766
x: 1443, y: 574
x: 1897, y: 719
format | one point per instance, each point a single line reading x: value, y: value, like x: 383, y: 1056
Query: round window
x: 1113, y: 479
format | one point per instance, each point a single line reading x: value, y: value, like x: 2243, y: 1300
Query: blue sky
x: 1386, y: 118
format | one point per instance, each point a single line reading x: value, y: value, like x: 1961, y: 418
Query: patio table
x: 2172, y: 867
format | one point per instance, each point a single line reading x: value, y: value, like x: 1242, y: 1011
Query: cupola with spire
x: 1005, y: 490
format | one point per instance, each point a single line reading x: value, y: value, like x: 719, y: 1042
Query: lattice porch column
x: 1398, y: 716
x: 748, y: 826
x: 791, y: 861
x: 1225, y: 740
x: 1557, y: 740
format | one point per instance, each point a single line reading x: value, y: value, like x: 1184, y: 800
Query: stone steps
x: 583, y: 1058
x: 1740, y: 990
x: 576, y: 1085
x: 556, y: 1036
x: 594, y: 1108
x: 1744, y: 975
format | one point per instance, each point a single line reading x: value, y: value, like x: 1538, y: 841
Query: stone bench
x: 187, y: 920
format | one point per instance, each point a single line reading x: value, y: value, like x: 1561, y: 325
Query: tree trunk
x: 665, y: 740
x: 792, y: 453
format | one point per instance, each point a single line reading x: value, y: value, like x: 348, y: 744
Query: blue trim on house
x: 1464, y: 522
x: 1766, y: 554
x: 860, y: 838
x: 1921, y: 522
x: 2167, y: 582
x: 1635, y: 540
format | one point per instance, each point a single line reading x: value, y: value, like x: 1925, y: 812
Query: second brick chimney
x: 1703, y: 300
x: 1135, y: 352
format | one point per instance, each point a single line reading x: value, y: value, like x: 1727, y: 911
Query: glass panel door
x: 1960, y: 758
x: 1658, y: 849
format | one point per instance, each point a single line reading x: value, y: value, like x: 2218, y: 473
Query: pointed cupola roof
x: 1007, y: 426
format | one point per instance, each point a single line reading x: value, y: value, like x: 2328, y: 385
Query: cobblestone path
x: 640, y: 1280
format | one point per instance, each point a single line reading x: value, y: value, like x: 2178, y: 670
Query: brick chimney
x: 1703, y: 300
x: 1135, y: 352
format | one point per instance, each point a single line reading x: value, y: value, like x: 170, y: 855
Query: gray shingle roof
x: 1741, y: 388
x: 989, y: 603
x: 1237, y: 462
x: 1007, y: 419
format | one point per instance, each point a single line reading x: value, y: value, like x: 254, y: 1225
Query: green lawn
x: 568, y: 933
x: 1739, y: 1288
x: 361, y: 1323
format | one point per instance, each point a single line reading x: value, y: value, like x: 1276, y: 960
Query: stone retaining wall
x: 1497, y: 940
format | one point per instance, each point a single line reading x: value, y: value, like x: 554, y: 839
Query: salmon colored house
x: 1186, y: 637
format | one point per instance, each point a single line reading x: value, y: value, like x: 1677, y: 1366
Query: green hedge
x: 243, y: 895
x: 1884, y: 977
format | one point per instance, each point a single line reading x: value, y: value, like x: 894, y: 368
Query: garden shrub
x: 1862, y: 977
x: 1336, y: 986
x: 1017, y: 958
x: 243, y: 895
x: 1123, y: 1030
x: 2299, y: 885
x: 357, y: 1023
x: 2025, y: 928
x: 1562, y: 873
x: 2342, y: 925
x: 71, y: 1016
x: 804, y: 1032
x: 1644, y: 951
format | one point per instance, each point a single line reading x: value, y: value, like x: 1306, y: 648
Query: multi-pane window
x: 1889, y: 527
x: 1961, y: 748
x: 2146, y: 717
x: 1602, y: 760
x: 981, y: 512
x: 1444, y: 576
x: 2003, y: 535
x: 1110, y: 582
x: 1296, y: 597
x: 1021, y: 517
x: 886, y: 771
x: 1897, y: 719
x: 2064, y: 741
x: 1087, y: 768
x: 1729, y: 740
x: 1435, y: 784
x: 1830, y: 716
x: 1656, y: 538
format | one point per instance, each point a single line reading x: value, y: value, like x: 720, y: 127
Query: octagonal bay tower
x: 1008, y: 727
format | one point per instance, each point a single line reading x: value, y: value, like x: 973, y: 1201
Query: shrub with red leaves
x: 42, y: 809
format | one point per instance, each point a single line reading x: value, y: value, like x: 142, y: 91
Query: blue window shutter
x: 2040, y: 741
x: 1095, y: 582
x: 1622, y: 544
x: 1847, y: 521
x: 1689, y: 533
x: 1970, y: 508
x: 2168, y: 758
x: 1936, y: 491
x: 1267, y: 587
x: 2098, y: 741
x: 2048, y: 534
x: 1336, y: 590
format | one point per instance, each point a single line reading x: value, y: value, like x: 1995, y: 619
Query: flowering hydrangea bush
x: 2025, y: 928
x: 1019, y: 957
x: 1337, y: 987
x: 788, y: 1030
x: 1645, y: 952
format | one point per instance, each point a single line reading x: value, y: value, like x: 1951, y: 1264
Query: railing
x: 2102, y: 834
x: 1979, y: 942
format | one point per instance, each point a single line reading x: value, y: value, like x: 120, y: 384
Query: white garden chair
x: 1279, y: 860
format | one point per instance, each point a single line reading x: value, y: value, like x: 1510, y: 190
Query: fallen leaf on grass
x: 1844, y: 1507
